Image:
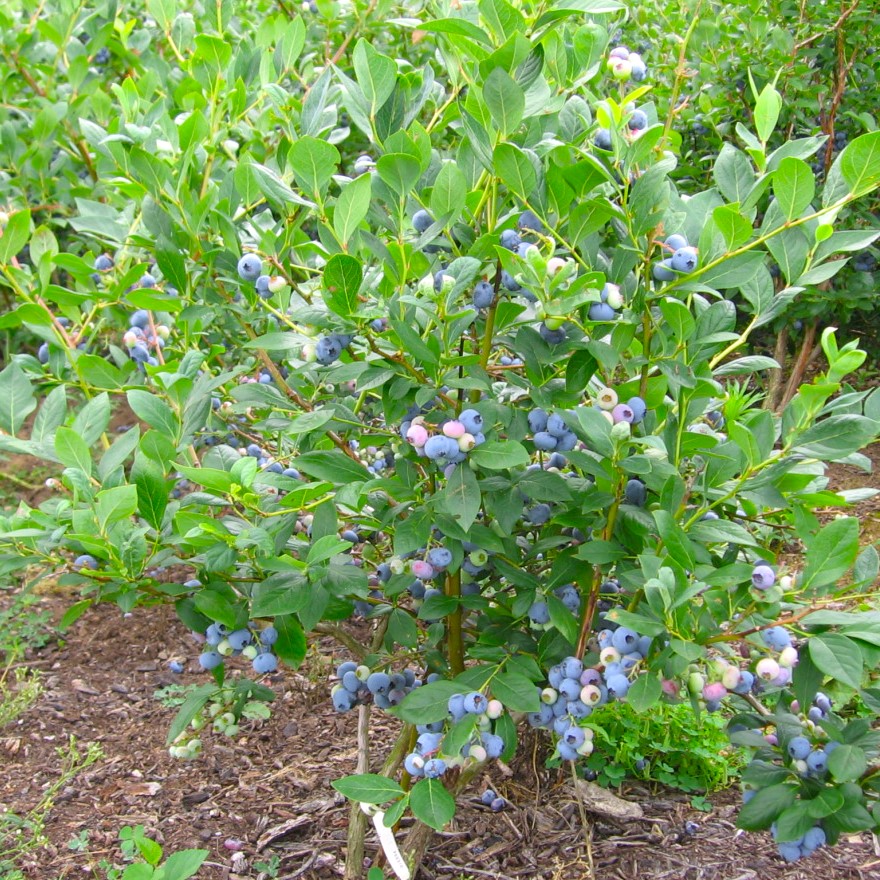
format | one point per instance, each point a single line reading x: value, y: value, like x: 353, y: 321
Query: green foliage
x: 217, y: 135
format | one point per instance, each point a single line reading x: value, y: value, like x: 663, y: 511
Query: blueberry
x: 86, y: 560
x: 265, y: 663
x: 146, y: 280
x: 250, y: 267
x: 602, y: 139
x: 509, y: 239
x: 422, y: 221
x: 240, y: 639
x: 379, y: 683
x: 103, y: 262
x: 635, y: 493
x: 545, y: 441
x: 439, y: 557
x: 343, y: 700
x: 602, y: 312
x: 472, y: 421
x: 684, y: 259
x: 763, y: 577
x: 493, y: 744
x: 508, y: 282
x: 328, y: 349
x: 625, y: 640
x: 663, y: 272
x: 262, y: 286
x: 484, y: 295
x: 43, y: 353
x: 210, y: 660
x: 799, y: 748
x: 538, y: 515
x: 537, y: 420
x: 676, y: 242
x: 539, y: 613
x: 817, y: 761
x: 552, y: 337
x: 638, y: 407
x: 529, y: 221
x: 487, y: 797
x: 777, y: 638
x: 638, y: 120
x: 175, y: 666
x: 140, y: 319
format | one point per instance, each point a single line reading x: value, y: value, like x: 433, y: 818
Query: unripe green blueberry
x: 309, y: 354
x: 622, y: 70
x: 548, y: 696
x: 363, y: 672
x: 495, y: 709
x: 224, y: 648
x: 555, y: 265
x: 250, y: 651
x: 695, y: 683
x: 554, y: 322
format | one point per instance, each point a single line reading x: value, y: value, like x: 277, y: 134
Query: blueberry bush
x: 418, y: 323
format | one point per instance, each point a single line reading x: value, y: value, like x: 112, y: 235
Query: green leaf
x: 505, y: 100
x: 794, y: 822
x: 152, y: 493
x: 183, y: 864
x: 192, y: 705
x: 830, y: 554
x: 72, y: 451
x: 431, y: 803
x: 313, y: 162
x: 457, y: 27
x: 460, y: 497
x: 766, y: 805
x: 838, y: 657
x: 282, y: 593
x: 155, y: 412
x: 376, y: 74
x: 15, y: 236
x: 427, y: 703
x: 341, y: 282
x: 826, y: 802
x: 449, y: 193
x: 514, y: 168
x: 767, y: 109
x: 351, y: 207
x: 292, y: 645
x: 326, y: 548
x: 794, y: 185
x: 645, y: 693
x: 847, y: 763
x: 678, y: 545
x: 400, y: 172
x: 368, y: 788
x: 17, y: 399
x: 860, y: 163
x: 837, y: 436
x: 516, y: 691
x: 497, y: 455
x: 333, y: 466
x: 114, y: 505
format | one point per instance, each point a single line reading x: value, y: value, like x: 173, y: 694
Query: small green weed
x: 669, y: 744
x: 22, y: 626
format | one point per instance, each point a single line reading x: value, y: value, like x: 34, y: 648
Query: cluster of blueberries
x: 140, y: 338
x: 539, y: 611
x: 572, y: 692
x: 625, y: 65
x: 451, y: 442
x: 253, y: 646
x: 357, y: 684
x: 425, y: 759
x: 610, y: 303
x: 682, y: 262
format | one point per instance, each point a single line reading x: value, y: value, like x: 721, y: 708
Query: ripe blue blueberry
x: 552, y: 337
x: 264, y: 663
x: 439, y: 557
x: 210, y: 660
x: 484, y: 295
x: 422, y: 221
x: 434, y: 768
x: 509, y: 239
x: 635, y: 492
x: 684, y: 259
x: 343, y: 700
x: 799, y: 748
x: 638, y: 120
x: 487, y: 797
x: 86, y: 560
x: 250, y: 267
x: 537, y: 420
x: 777, y: 638
x: 625, y: 640
x: 763, y: 577
x: 508, y: 282
x: 638, y: 407
x: 676, y: 242
x: 240, y: 639
x: 545, y: 441
x: 103, y: 262
x: 602, y: 139
x: 472, y: 421
x: 493, y: 744
x: 602, y: 312
x: 663, y: 271
x: 539, y: 613
x: 817, y: 761
x: 530, y: 222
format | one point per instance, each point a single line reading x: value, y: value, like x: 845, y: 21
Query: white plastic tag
x: 387, y: 842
